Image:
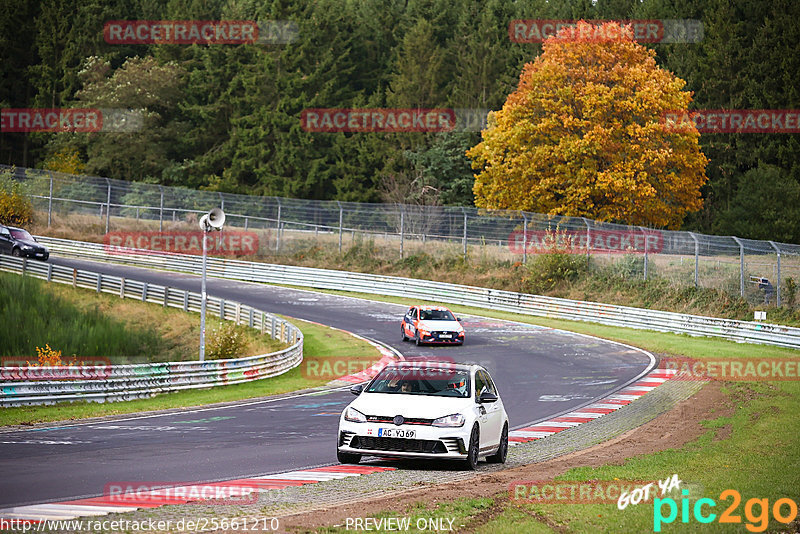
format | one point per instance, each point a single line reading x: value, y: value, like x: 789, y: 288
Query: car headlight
x: 354, y: 416
x: 424, y: 332
x: 453, y: 420
x: 27, y: 247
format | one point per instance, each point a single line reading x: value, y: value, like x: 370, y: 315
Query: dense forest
x: 227, y: 117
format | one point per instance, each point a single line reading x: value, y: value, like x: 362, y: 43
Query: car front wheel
x: 403, y: 333
x: 471, y: 463
x: 502, y: 451
x: 347, y: 458
x: 16, y: 252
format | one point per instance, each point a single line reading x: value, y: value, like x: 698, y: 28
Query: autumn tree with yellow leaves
x: 582, y: 135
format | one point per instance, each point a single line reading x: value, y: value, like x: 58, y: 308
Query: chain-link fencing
x: 764, y: 272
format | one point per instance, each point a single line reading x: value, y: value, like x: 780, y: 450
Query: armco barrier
x: 23, y: 385
x: 741, y: 331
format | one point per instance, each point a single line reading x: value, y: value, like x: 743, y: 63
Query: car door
x: 5, y: 241
x: 494, y: 412
x: 408, y: 322
x: 482, y: 412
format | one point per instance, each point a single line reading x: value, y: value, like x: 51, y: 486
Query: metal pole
x: 50, y: 202
x: 741, y: 266
x: 696, y: 256
x: 161, y: 211
x: 341, y: 214
x: 464, y: 239
x: 221, y: 201
x: 203, y: 300
x: 524, y: 238
x: 644, y: 231
x: 588, y: 238
x: 778, y: 283
x: 278, y: 229
x: 402, y: 229
x: 108, y: 205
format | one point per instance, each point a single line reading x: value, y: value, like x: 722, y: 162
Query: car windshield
x: 436, y: 315
x: 22, y: 235
x: 435, y: 381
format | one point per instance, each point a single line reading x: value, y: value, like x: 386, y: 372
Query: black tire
x: 500, y: 456
x: 403, y: 333
x: 471, y: 463
x: 347, y: 458
x: 417, y: 342
x: 16, y: 252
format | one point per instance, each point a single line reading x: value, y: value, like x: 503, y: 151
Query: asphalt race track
x: 540, y: 373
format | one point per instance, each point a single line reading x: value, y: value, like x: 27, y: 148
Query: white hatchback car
x: 429, y: 410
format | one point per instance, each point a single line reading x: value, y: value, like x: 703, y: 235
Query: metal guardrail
x: 608, y: 314
x: 29, y: 385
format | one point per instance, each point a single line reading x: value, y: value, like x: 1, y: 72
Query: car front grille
x: 398, y: 445
x: 408, y: 421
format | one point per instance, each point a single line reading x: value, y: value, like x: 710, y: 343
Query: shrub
x: 226, y: 342
x: 550, y: 269
x: 15, y: 207
x: 789, y: 292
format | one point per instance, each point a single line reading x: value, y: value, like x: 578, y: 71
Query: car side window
x: 415, y: 313
x: 479, y: 384
x: 5, y: 233
x: 490, y: 387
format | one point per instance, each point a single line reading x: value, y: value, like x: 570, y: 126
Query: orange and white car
x: 432, y: 324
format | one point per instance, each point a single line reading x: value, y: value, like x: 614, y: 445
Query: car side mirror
x: 458, y: 319
x: 357, y: 389
x: 486, y: 397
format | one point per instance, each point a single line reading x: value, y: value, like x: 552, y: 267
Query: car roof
x: 434, y: 365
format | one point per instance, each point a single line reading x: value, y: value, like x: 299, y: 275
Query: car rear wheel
x: 471, y: 463
x: 347, y: 458
x: 502, y: 451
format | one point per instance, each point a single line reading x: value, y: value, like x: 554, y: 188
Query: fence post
x: 524, y: 238
x: 644, y: 231
x: 464, y: 238
x: 99, y: 281
x: 741, y: 265
x: 778, y: 284
x: 108, y: 204
x: 278, y: 228
x: 696, y: 256
x: 50, y: 201
x: 341, y: 214
x: 221, y: 201
x: 588, y: 239
x: 402, y: 229
x: 161, y: 210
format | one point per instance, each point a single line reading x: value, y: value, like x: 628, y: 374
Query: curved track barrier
x: 30, y: 385
x: 607, y: 314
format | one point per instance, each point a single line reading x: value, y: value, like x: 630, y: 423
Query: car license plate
x: 396, y: 433
x: 445, y: 336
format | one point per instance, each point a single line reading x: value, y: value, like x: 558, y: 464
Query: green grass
x: 321, y: 343
x: 32, y: 316
x: 760, y: 458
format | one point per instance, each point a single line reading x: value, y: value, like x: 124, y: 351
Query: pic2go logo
x: 783, y: 510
